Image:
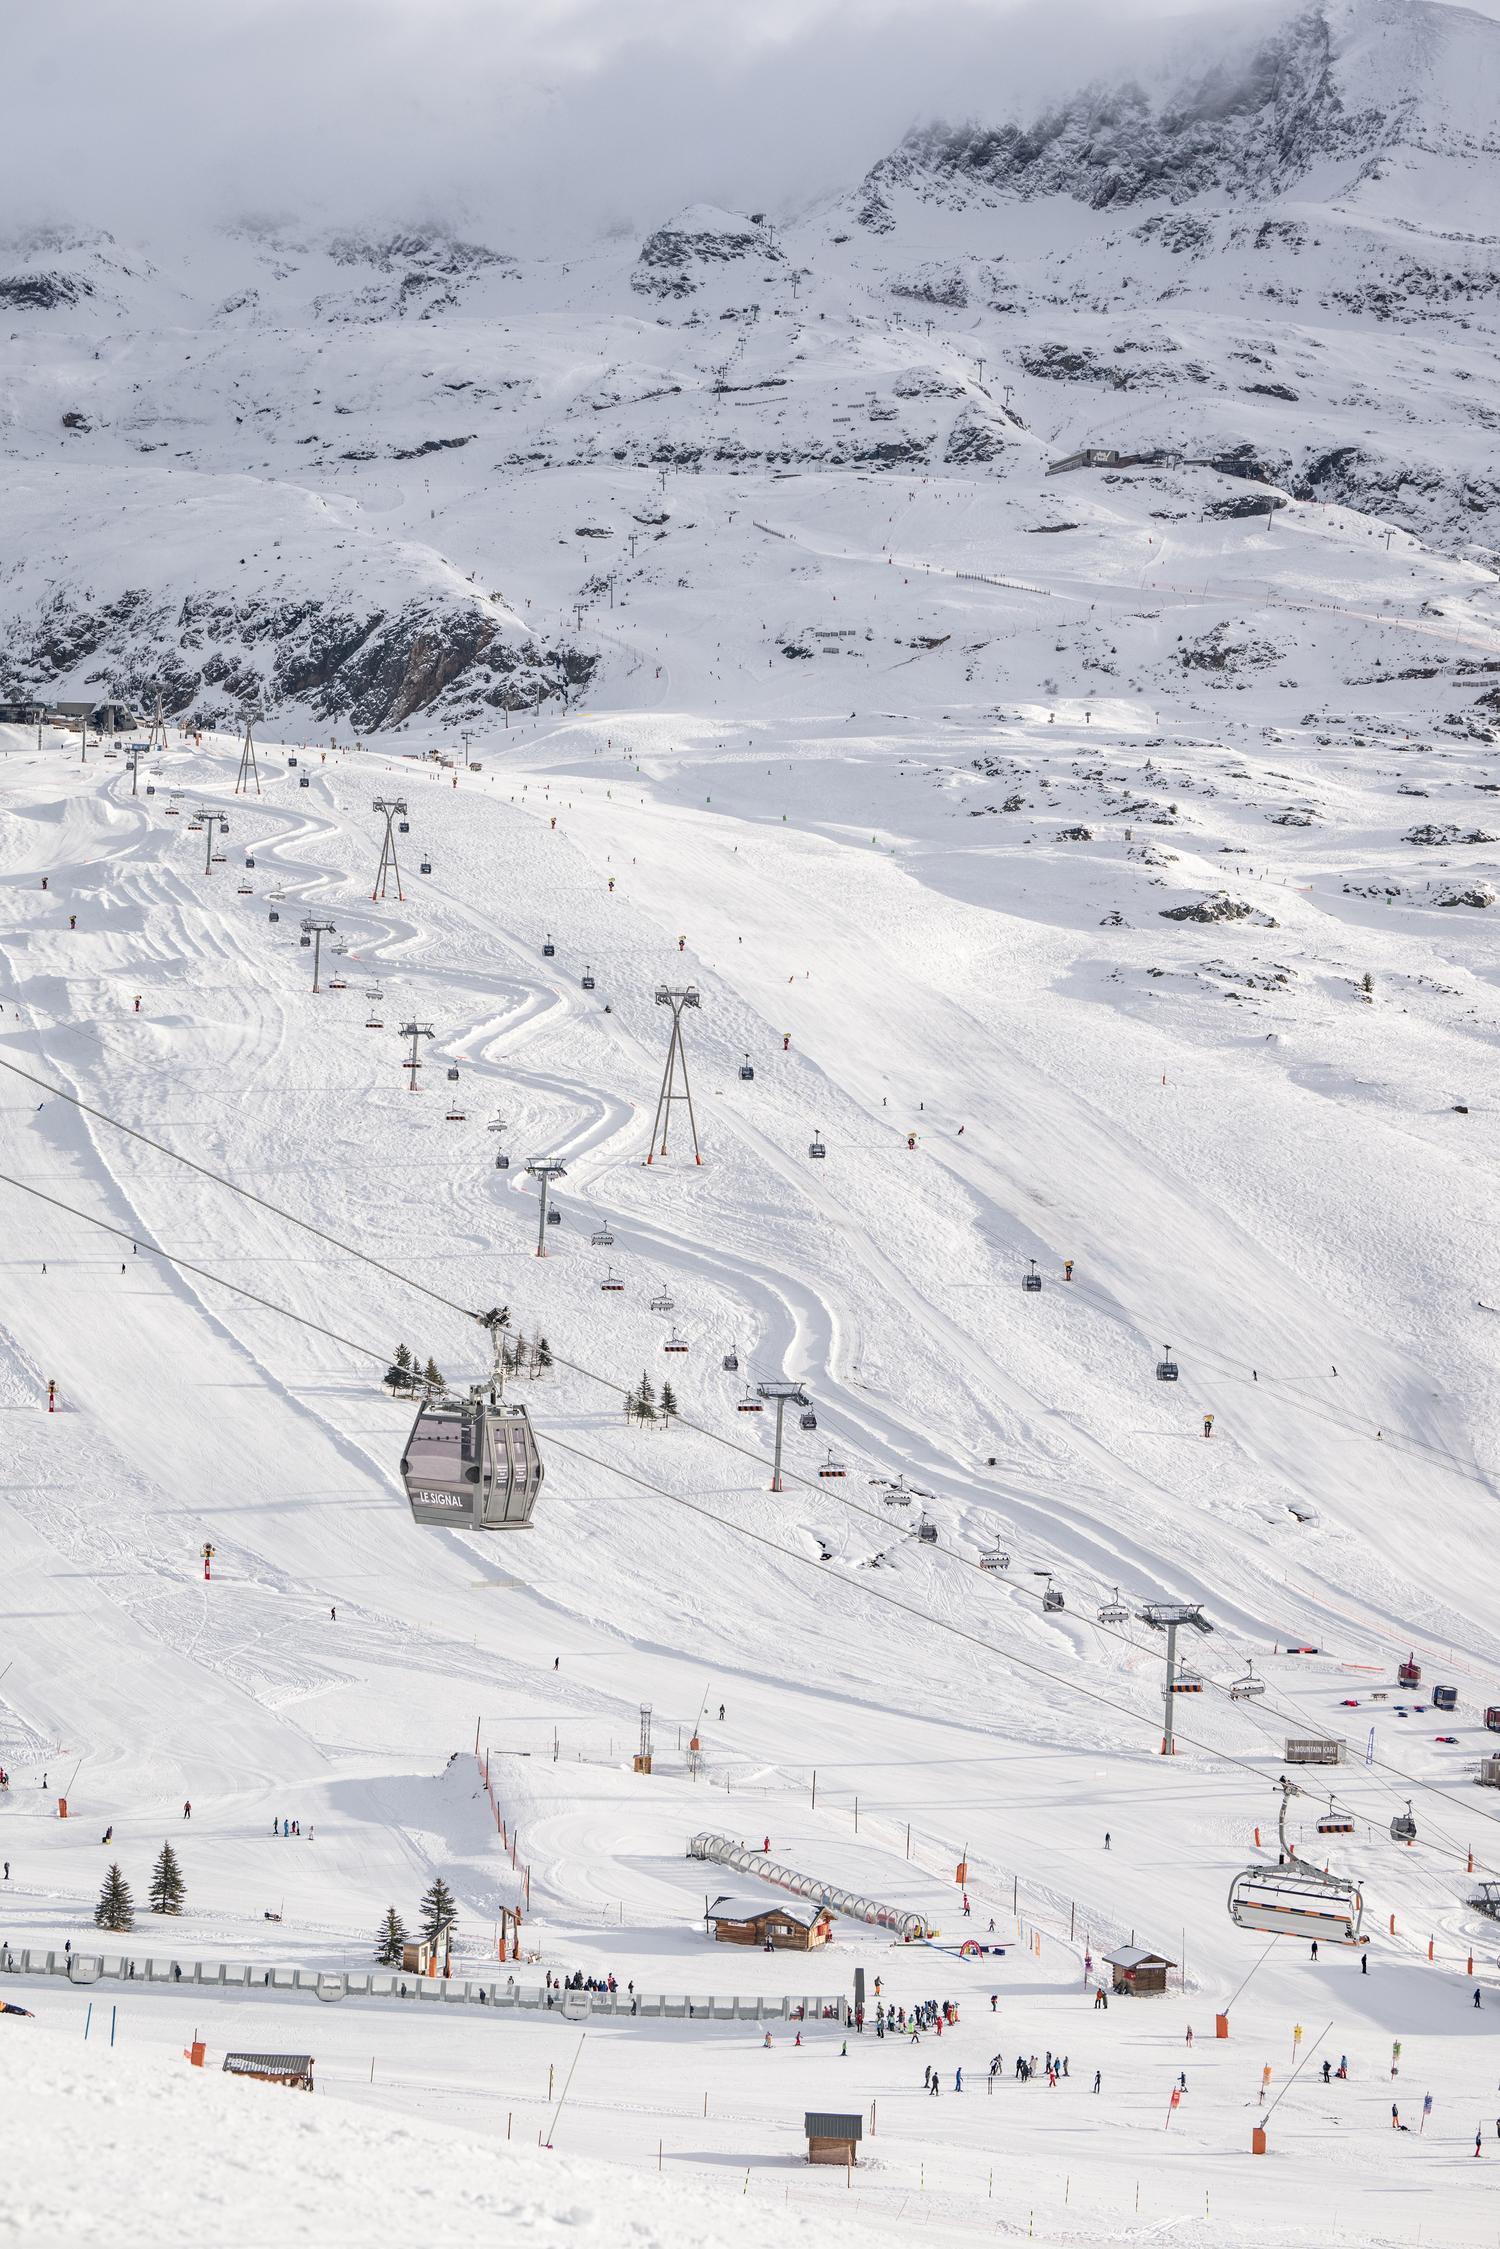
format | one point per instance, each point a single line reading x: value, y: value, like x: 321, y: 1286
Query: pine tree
x: 390, y: 1939
x: 438, y: 1907
x: 668, y: 1402
x: 543, y: 1354
x: 398, y: 1375
x: 168, y: 1890
x: 116, y: 1907
x: 432, y: 1376
x: 646, y: 1399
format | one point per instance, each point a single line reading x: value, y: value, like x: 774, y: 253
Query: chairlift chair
x: 455, y: 1116
x: 245, y: 891
x: 1187, y: 1683
x: 807, y: 1419
x: 1166, y: 1365
x: 1246, y: 1689
x: 832, y: 1468
x: 1032, y: 1282
x: 1335, y: 1821
x: 674, y: 1342
x: 750, y: 1404
x: 661, y: 1302
x: 816, y: 1149
x: 1114, y: 1610
x: 372, y: 1022
x: 338, y: 984
x: 586, y: 980
x: 994, y: 1558
x: 602, y: 1238
x: 747, y: 1069
x: 610, y: 1285
x: 1403, y: 1826
x: 472, y: 1464
x: 1296, y: 1901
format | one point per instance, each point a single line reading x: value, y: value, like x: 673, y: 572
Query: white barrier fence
x: 505, y: 1994
x: 725, y: 1851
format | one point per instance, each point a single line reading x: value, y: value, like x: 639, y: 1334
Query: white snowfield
x: 1102, y: 871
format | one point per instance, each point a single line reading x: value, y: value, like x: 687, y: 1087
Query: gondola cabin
x: 1445, y: 1698
x: 472, y: 1464
x: 1166, y: 1365
x: 1409, y: 1674
x: 1136, y: 1973
x: 1492, y: 1719
x: 1032, y: 1282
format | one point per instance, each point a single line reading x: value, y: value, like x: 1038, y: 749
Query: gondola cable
x: 1406, y: 1781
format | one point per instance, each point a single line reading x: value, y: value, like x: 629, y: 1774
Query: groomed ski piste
x: 1018, y: 640
x: 1009, y: 1055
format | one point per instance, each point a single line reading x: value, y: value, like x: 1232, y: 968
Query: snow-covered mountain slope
x: 1096, y: 858
x: 317, y: 469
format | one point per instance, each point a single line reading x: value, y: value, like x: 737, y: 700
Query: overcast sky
x: 525, y: 117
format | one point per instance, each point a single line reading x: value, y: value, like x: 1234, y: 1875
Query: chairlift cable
x: 1404, y: 1781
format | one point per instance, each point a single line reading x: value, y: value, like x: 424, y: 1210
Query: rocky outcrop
x: 1248, y: 124
x: 671, y: 262
x: 213, y: 654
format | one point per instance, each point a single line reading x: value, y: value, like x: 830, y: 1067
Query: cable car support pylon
x: 394, y: 809
x: 676, y: 999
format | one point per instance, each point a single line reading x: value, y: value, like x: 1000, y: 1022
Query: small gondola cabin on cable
x: 794, y: 1925
x: 1135, y: 1973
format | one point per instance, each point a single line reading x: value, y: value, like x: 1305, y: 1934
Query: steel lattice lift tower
x: 394, y: 809
x: 676, y: 999
x: 157, y: 738
x: 249, y: 771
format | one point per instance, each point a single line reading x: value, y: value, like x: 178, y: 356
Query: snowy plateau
x: 1019, y: 639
